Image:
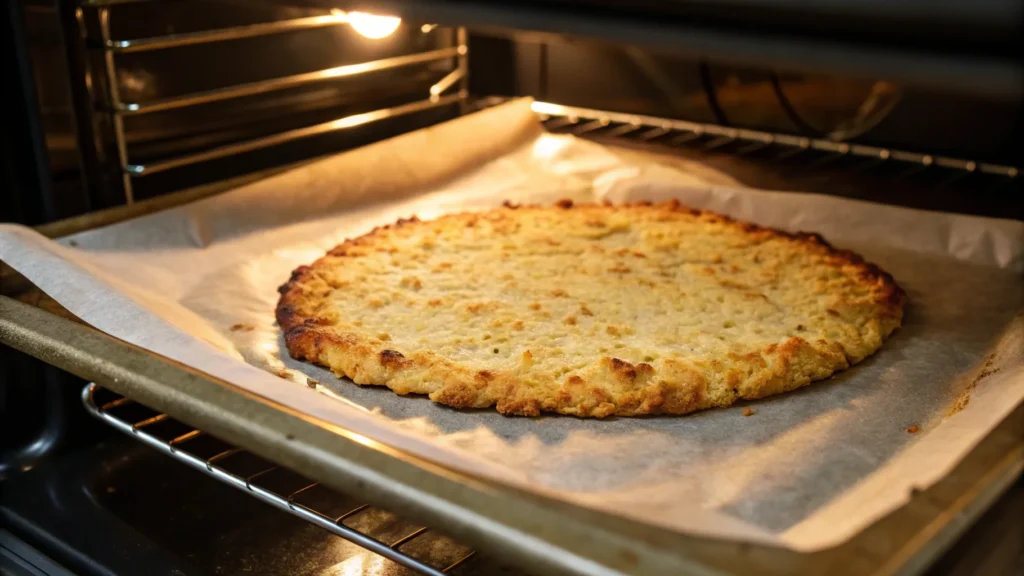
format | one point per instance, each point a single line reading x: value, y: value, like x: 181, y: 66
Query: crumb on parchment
x: 748, y: 411
x: 913, y: 429
x: 242, y: 328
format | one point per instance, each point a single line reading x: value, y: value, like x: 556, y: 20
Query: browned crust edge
x: 779, y: 365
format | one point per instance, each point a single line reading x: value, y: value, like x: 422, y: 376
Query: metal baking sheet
x: 807, y: 471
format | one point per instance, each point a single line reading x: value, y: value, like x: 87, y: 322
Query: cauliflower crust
x: 589, y: 310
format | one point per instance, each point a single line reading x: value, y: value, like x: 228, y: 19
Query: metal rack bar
x: 221, y: 34
x: 113, y: 94
x: 286, y: 503
x: 459, y: 562
x: 462, y: 39
x: 273, y: 84
x: 565, y: 115
x: 408, y: 538
x: 284, y: 137
x: 149, y: 421
x: 119, y: 109
x: 445, y: 83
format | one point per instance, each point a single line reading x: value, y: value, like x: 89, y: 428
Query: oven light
x: 373, y: 26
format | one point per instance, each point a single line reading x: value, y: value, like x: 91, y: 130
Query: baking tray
x: 538, y: 533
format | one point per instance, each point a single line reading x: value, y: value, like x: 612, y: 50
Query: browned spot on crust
x: 564, y: 204
x: 559, y: 293
x: 519, y: 406
x: 393, y: 359
x: 832, y: 312
x: 585, y: 311
x: 733, y: 285
x: 620, y: 269
x: 570, y: 320
x: 612, y: 330
x: 623, y: 370
x: 534, y: 306
x: 411, y: 282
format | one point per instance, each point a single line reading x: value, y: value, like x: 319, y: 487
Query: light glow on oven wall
x: 373, y: 26
x: 364, y: 563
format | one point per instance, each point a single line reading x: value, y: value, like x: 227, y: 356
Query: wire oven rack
x: 776, y: 148
x: 274, y: 485
x: 449, y: 90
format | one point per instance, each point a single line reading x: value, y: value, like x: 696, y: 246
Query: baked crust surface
x: 589, y: 310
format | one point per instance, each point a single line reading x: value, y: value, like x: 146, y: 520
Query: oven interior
x: 154, y: 102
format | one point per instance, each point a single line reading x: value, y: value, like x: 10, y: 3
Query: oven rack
x: 264, y: 480
x: 440, y: 94
x: 773, y: 146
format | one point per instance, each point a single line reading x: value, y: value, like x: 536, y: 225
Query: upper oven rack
x: 674, y: 133
x: 439, y: 94
x: 221, y: 461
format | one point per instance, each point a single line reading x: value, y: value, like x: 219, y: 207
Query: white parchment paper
x: 809, y: 469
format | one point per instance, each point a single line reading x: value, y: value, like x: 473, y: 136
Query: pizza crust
x: 589, y: 310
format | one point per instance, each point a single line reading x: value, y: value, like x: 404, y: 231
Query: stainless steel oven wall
x: 140, y: 99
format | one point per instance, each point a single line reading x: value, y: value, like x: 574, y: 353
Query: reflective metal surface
x: 256, y: 476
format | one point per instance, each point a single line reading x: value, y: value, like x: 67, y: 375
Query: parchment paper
x: 808, y: 470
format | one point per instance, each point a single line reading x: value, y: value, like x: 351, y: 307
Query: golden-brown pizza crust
x: 590, y: 310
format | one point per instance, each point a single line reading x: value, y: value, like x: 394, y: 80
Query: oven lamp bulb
x: 373, y: 26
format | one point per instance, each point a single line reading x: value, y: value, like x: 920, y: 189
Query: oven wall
x: 62, y: 91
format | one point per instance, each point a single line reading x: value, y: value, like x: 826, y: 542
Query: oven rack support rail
x: 218, y: 467
x: 584, y: 121
x: 440, y: 94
